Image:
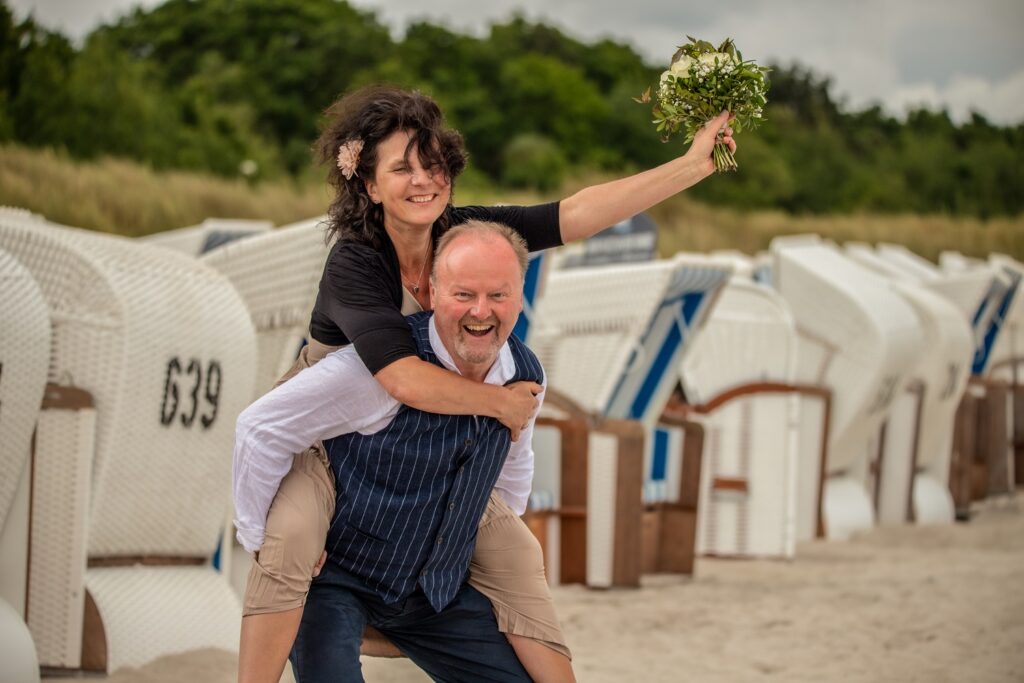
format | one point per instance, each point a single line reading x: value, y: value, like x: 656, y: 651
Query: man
x: 411, y: 486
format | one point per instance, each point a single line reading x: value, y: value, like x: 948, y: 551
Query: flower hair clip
x: 348, y: 157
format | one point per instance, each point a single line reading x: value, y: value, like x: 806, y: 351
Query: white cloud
x: 1001, y: 101
x: 946, y: 53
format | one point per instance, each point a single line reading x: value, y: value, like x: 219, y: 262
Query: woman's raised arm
x: 597, y: 207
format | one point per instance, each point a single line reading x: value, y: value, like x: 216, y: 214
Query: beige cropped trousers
x: 507, y: 564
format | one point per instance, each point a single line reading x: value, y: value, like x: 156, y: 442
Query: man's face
x: 477, y: 298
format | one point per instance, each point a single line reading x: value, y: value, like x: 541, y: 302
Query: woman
x: 393, y: 169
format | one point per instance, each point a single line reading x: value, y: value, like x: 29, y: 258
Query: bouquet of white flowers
x: 703, y: 81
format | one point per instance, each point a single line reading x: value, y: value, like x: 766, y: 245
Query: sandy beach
x: 900, y: 604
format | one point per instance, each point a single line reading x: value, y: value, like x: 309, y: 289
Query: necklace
x: 416, y: 287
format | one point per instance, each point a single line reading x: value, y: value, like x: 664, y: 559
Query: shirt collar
x: 501, y: 371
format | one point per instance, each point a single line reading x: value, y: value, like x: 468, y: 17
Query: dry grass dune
x: 130, y: 199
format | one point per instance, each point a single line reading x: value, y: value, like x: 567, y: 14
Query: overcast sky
x: 942, y: 53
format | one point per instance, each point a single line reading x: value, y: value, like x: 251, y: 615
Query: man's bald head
x: 482, y: 230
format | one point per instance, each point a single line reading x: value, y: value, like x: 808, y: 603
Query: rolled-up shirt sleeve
x: 516, y: 478
x: 336, y: 396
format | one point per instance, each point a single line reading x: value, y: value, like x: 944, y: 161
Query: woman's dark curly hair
x: 371, y: 114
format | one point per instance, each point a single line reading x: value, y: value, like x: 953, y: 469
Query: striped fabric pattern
x: 410, y: 496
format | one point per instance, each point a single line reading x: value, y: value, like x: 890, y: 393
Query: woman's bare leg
x: 542, y: 663
x: 266, y: 641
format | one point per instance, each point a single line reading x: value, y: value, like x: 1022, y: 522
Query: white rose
x: 681, y: 67
x: 708, y: 58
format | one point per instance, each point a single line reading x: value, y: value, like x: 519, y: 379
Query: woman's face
x: 411, y: 195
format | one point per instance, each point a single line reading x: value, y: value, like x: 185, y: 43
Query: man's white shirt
x: 339, y: 396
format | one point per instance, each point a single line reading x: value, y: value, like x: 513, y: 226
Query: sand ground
x: 900, y: 604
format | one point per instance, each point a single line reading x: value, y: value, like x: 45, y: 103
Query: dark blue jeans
x: 461, y: 643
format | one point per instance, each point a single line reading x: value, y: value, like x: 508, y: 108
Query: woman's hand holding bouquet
x: 702, y: 82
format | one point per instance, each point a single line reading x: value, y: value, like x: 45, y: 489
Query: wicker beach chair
x: 537, y: 271
x: 986, y: 437
x: 277, y: 274
x: 24, y: 361
x: 164, y: 347
x: 196, y: 240
x: 1006, y: 364
x: 857, y: 340
x: 609, y: 338
x: 923, y: 413
x: 739, y: 383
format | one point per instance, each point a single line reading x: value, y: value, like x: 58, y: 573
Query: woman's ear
x: 371, y: 190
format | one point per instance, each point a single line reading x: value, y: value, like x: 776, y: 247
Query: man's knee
x: 327, y: 645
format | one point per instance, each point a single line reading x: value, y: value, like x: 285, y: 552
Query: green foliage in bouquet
x: 701, y: 82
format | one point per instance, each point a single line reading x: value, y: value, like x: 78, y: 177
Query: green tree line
x: 236, y: 87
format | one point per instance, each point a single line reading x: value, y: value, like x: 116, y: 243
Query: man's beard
x: 477, y: 355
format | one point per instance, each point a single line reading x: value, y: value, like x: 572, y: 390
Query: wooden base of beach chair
x: 1018, y: 435
x: 964, y: 443
x: 670, y: 529
x: 601, y: 508
x: 983, y: 451
x: 990, y: 464
x: 595, y: 528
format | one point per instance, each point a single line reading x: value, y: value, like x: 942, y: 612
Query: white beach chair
x: 165, y: 348
x: 739, y: 383
x: 1007, y: 351
x: 609, y: 338
x: 923, y: 414
x: 981, y: 292
x: 986, y: 292
x: 208, y: 235
x: 277, y: 274
x: 857, y: 340
x: 24, y: 361
x: 537, y: 271
x: 1006, y: 364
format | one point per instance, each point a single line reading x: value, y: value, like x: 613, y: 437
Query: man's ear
x: 433, y: 293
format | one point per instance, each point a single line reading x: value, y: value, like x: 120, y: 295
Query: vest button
x: 451, y: 506
x: 439, y: 539
x: 469, y: 442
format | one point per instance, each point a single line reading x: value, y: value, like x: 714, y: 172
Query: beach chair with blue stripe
x: 164, y: 349
x: 1006, y: 365
x: 537, y: 270
x: 739, y: 384
x: 919, y: 431
x: 858, y: 341
x: 611, y: 338
x: 24, y: 364
x: 196, y: 240
x: 987, y: 295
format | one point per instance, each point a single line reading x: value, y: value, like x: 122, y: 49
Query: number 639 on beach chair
x: 126, y: 517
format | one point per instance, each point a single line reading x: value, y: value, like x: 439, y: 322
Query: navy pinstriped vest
x: 410, y: 496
